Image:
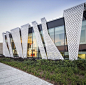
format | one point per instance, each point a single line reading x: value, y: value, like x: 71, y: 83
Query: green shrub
x: 81, y: 64
x: 82, y: 73
x: 60, y: 72
x: 47, y: 75
x: 76, y: 70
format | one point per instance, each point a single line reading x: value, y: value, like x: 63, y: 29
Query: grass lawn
x: 59, y: 72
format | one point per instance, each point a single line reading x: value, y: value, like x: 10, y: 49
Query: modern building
x: 63, y: 38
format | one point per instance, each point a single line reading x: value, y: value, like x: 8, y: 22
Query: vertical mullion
x: 54, y: 35
x: 32, y: 43
x: 64, y: 38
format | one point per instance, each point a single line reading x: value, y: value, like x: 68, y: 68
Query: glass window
x: 35, y: 46
x: 51, y: 33
x: 29, y: 47
x: 34, y: 41
x: 15, y: 54
x: 84, y: 23
x: 59, y: 35
x: 41, y: 33
x: 83, y: 33
x: 82, y: 38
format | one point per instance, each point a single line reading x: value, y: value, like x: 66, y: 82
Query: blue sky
x: 15, y: 13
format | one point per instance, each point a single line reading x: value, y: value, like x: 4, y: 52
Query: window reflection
x: 32, y: 46
x: 59, y: 35
x: 83, y: 33
x: 82, y: 36
x: 51, y: 33
x: 35, y: 46
x: 29, y: 47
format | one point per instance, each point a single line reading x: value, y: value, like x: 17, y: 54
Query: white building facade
x: 59, y: 39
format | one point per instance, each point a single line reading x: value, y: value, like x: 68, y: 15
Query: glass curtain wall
x: 83, y: 33
x: 32, y: 49
x: 15, y: 54
x: 82, y: 52
x: 29, y: 46
x: 6, y: 42
x: 59, y: 36
x: 51, y: 33
x: 35, y: 46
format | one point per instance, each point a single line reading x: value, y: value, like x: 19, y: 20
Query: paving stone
x: 13, y: 76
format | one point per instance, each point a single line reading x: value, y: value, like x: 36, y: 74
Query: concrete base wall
x: 1, y: 48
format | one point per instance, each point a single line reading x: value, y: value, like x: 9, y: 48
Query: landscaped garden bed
x: 59, y: 72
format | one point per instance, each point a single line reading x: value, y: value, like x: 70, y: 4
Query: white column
x: 5, y: 49
x: 24, y: 35
x: 39, y: 40
x: 17, y: 41
x: 73, y: 23
x: 52, y: 51
x: 9, y: 44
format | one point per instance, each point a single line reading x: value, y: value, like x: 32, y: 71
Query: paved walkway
x: 13, y: 76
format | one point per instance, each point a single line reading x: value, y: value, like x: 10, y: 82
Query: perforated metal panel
x: 9, y: 44
x: 5, y: 49
x: 39, y: 40
x: 24, y: 35
x: 52, y: 51
x: 73, y: 22
x: 16, y: 38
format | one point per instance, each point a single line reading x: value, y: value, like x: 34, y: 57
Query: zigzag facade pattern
x: 9, y: 44
x: 5, y: 49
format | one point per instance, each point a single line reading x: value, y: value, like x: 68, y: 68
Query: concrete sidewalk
x: 13, y: 76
